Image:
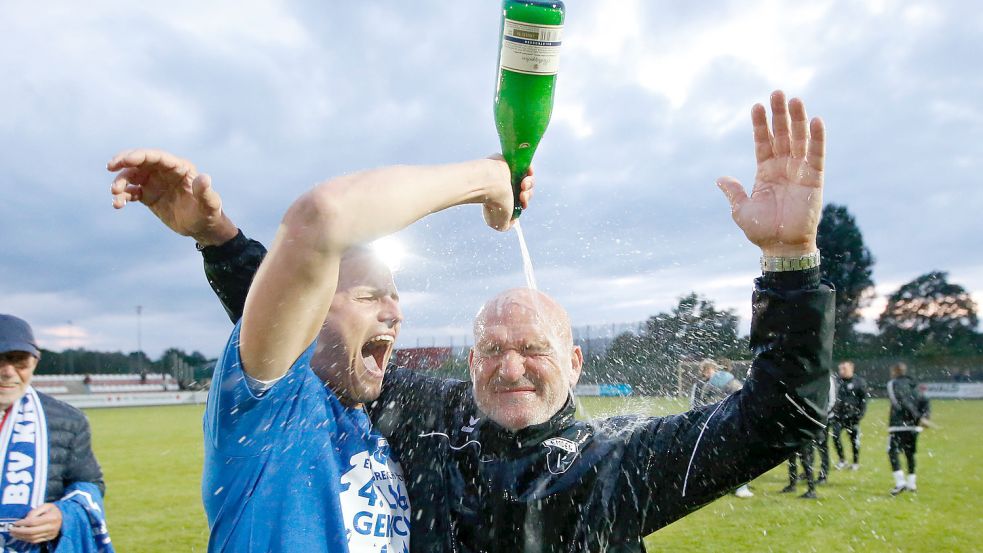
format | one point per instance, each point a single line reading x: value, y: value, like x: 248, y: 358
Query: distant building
x: 422, y: 359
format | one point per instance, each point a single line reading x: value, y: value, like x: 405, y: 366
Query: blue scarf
x: 24, y: 474
x: 23, y: 483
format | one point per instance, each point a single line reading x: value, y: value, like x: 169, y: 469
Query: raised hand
x: 497, y: 208
x: 174, y: 191
x: 782, y: 214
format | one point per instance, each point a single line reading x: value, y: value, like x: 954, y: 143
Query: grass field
x: 152, y: 459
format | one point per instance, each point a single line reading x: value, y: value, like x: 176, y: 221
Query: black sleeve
x: 683, y: 462
x: 82, y: 464
x: 924, y: 407
x: 230, y: 268
x: 411, y: 403
x: 907, y: 395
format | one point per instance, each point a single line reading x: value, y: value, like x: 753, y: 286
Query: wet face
x: 524, y: 362
x: 846, y: 370
x: 16, y: 371
x: 356, y: 341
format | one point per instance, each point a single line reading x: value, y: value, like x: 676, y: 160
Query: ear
x: 576, y: 365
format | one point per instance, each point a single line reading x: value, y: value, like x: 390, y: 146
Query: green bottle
x: 528, y: 59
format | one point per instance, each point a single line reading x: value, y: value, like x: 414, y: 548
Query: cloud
x: 652, y: 105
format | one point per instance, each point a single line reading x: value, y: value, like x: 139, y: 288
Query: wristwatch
x: 780, y: 264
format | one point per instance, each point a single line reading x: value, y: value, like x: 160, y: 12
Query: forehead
x: 513, y: 320
x: 363, y: 269
x: 15, y: 356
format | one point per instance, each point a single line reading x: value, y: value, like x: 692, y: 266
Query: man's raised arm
x: 294, y: 285
x: 687, y: 460
x: 183, y: 199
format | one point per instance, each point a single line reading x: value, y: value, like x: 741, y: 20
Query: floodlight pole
x: 139, y: 338
x: 71, y: 335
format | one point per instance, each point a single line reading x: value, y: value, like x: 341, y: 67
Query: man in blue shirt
x: 291, y: 460
x: 501, y: 463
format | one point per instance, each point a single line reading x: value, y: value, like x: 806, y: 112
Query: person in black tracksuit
x: 480, y: 481
x: 806, y: 456
x: 569, y: 485
x: 848, y: 411
x: 909, y: 409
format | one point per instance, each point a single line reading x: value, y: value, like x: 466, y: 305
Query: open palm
x: 782, y: 214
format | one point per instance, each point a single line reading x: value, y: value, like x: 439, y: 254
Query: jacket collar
x: 499, y: 439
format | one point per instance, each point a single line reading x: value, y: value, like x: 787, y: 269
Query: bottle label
x: 531, y: 49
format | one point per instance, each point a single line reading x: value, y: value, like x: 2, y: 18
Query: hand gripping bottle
x: 529, y: 56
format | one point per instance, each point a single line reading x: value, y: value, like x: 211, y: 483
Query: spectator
x: 714, y: 385
x: 54, y: 501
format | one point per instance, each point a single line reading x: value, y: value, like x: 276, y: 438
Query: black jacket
x: 908, y: 404
x: 70, y: 457
x: 601, y: 485
x: 851, y: 399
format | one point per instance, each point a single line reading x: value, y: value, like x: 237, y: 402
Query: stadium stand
x: 115, y: 390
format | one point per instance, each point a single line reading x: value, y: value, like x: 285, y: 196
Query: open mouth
x: 375, y: 353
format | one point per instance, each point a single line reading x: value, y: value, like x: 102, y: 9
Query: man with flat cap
x: 50, y: 484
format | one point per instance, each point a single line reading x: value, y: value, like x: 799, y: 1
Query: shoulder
x: 57, y: 409
x: 407, y: 383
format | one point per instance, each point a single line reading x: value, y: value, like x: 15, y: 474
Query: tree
x: 929, y: 315
x: 694, y: 329
x: 846, y: 262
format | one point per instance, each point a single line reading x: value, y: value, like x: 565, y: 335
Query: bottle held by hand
x: 529, y: 55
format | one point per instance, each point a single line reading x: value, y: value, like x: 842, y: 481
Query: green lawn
x: 152, y: 460
x: 151, y: 457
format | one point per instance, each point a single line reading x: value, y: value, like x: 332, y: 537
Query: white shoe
x: 899, y: 483
x: 855, y: 466
x: 841, y: 465
x: 744, y: 492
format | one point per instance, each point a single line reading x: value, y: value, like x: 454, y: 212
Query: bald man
x: 501, y: 463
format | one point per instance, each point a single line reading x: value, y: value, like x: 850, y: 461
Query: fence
x: 594, y: 339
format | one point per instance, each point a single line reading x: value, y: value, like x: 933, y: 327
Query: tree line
x: 82, y: 361
x: 929, y: 320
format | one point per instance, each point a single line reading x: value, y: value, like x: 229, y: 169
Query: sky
x: 652, y: 105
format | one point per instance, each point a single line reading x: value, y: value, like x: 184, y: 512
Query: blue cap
x: 16, y: 335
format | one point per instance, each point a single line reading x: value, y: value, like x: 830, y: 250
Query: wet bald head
x: 531, y: 303
x: 524, y: 363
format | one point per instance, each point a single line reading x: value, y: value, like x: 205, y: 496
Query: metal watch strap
x: 781, y: 264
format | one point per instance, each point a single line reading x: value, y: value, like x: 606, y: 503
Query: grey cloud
x: 322, y: 90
